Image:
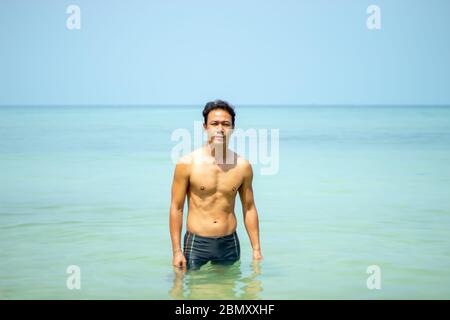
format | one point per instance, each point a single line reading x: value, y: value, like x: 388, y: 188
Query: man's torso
x: 211, y: 196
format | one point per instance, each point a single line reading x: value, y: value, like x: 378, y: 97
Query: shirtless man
x: 210, y: 177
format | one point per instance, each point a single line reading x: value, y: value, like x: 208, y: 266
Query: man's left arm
x: 249, y: 210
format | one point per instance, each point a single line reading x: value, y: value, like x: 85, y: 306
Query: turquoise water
x: 357, y: 186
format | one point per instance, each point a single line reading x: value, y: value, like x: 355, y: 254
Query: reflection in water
x: 217, y: 282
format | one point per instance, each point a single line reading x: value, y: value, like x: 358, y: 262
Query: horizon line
x: 245, y: 105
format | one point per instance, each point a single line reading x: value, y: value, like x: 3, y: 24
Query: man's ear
x: 204, y: 126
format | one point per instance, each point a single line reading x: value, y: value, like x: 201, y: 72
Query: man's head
x: 219, y: 118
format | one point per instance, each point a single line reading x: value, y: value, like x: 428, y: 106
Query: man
x: 210, y: 177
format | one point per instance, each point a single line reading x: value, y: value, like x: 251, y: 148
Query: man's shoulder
x: 183, y: 165
x: 243, y: 163
x: 189, y: 158
x: 185, y: 160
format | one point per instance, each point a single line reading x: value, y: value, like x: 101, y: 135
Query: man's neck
x: 217, y: 151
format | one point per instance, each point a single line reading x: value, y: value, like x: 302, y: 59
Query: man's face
x: 218, y: 126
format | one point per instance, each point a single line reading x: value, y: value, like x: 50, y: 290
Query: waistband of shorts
x: 228, y: 236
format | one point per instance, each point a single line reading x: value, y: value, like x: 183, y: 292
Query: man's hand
x: 179, y: 260
x: 257, y: 254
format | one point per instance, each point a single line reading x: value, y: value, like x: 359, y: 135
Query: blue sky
x: 247, y: 52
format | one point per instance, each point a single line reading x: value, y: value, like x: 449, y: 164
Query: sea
x: 353, y: 203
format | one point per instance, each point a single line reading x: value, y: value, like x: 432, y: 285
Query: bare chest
x: 209, y: 179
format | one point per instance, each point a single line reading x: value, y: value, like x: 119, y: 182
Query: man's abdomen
x: 211, y: 224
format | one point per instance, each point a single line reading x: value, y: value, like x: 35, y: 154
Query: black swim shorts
x: 199, y: 250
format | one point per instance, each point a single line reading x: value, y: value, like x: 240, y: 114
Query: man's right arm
x: 179, y: 189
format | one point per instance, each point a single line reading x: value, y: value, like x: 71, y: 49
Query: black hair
x: 219, y: 104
